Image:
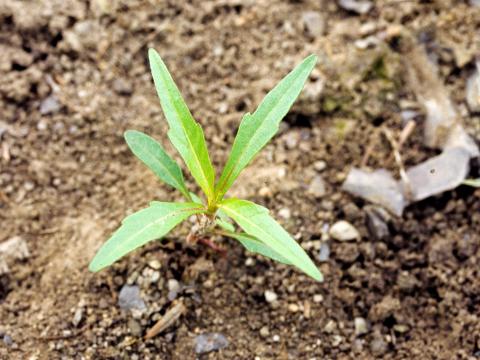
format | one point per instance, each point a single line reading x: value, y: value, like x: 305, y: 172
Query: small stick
x: 398, y: 159
x: 406, y: 132
x: 370, y: 147
x: 167, y: 320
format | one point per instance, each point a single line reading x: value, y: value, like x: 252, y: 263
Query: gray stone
x: 50, y: 105
x: 324, y: 253
x: 129, y: 298
x: 344, y: 231
x: 7, y: 340
x: 208, y: 342
x: 174, y: 288
x: 317, y: 187
x: 378, y: 346
x: 122, y: 86
x: 314, y: 23
x: 378, y: 187
x: 358, y: 6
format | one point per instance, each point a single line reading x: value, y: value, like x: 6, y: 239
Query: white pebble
x: 344, y: 231
x: 270, y: 296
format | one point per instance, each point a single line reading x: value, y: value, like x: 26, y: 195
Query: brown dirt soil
x: 67, y: 179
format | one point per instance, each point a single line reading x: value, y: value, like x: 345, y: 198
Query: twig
x: 370, y: 147
x: 167, y: 320
x: 406, y: 132
x: 398, y: 159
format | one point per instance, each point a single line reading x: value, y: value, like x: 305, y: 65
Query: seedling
x: 261, y: 233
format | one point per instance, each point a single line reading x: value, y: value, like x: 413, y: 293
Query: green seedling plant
x: 260, y: 232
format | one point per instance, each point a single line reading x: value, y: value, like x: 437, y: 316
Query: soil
x: 74, y: 77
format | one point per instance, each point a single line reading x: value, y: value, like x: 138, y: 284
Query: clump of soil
x: 74, y: 77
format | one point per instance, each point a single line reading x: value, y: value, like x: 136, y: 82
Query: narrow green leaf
x: 255, y: 221
x: 151, y: 153
x: 256, y: 130
x: 472, y: 182
x: 141, y: 227
x: 196, y: 198
x: 185, y: 133
x: 225, y: 225
x: 254, y: 245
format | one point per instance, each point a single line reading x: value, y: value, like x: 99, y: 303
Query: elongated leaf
x: 257, y: 129
x: 185, y: 133
x: 255, y: 221
x: 141, y: 227
x: 225, y: 225
x: 196, y: 198
x: 152, y: 154
x: 254, y: 245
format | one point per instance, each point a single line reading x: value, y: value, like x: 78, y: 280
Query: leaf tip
x: 129, y: 134
x: 152, y: 53
x: 94, y: 266
x: 318, y: 276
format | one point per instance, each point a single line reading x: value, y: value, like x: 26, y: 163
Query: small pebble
x: 7, y: 340
x: 173, y: 285
x: 42, y: 125
x: 314, y: 23
x: 324, y: 253
x: 357, y: 6
x: 129, y: 298
x: 400, y: 328
x: 276, y: 338
x: 285, y: 213
x: 135, y: 327
x: 320, y: 165
x: 77, y: 317
x: 361, y: 326
x: 264, y: 332
x: 155, y: 277
x: 317, y: 298
x: 317, y: 187
x: 344, y: 231
x: 378, y: 346
x: 208, y: 342
x: 155, y: 264
x: 293, y: 308
x: 49, y: 105
x: 173, y: 289
x: 122, y: 86
x: 291, y: 140
x: 336, y: 340
x: 270, y: 296
x: 330, y: 327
